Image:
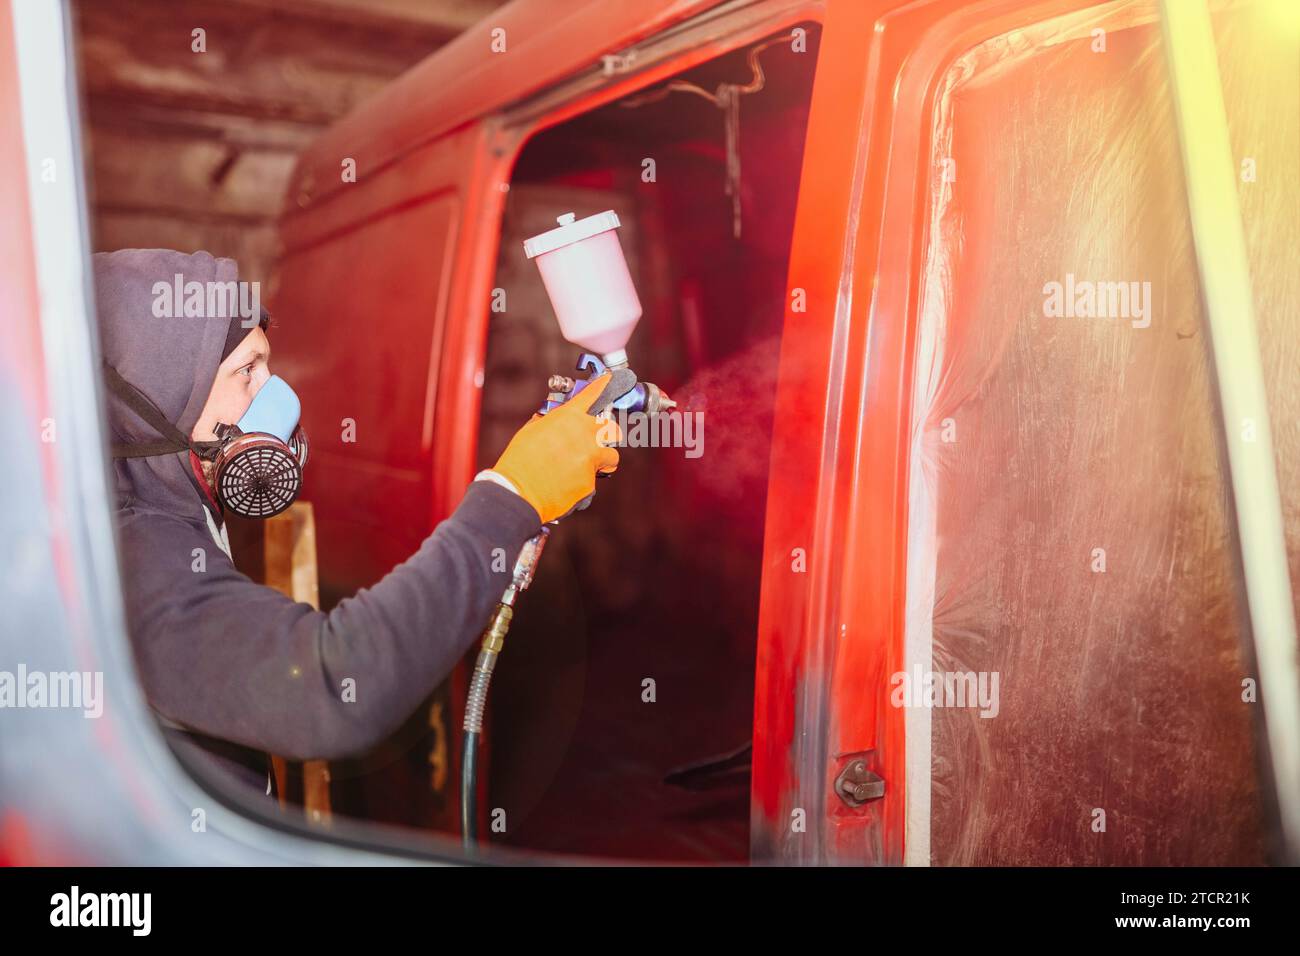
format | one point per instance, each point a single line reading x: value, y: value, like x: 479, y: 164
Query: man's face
x: 244, y: 371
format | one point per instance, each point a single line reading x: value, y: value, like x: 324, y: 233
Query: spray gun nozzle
x: 656, y: 399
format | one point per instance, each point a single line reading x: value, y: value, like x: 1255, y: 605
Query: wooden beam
x: 447, y: 17
x: 198, y: 179
x: 122, y: 115
x: 290, y: 565
x: 258, y: 61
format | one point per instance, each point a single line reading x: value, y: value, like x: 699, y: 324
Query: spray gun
x: 590, y: 288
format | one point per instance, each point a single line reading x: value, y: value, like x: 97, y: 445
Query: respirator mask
x: 257, y: 461
x: 260, y: 458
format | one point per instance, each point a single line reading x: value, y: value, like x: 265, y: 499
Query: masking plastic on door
x: 1071, y: 567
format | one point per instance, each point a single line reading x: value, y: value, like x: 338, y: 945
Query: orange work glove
x: 554, y: 458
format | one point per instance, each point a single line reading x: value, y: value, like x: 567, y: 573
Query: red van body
x: 384, y: 294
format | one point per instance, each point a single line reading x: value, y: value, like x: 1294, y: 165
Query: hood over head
x: 172, y: 360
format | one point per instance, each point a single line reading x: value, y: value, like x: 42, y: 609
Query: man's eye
x: 246, y: 370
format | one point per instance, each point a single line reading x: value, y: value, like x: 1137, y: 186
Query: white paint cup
x: 590, y: 288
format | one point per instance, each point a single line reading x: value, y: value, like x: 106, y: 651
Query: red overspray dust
x: 735, y: 400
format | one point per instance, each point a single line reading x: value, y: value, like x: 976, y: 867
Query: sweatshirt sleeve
x: 226, y: 656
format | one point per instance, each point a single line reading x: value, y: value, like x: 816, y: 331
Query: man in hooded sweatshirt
x: 234, y: 669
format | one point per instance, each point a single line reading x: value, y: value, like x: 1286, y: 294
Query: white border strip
x: 1220, y: 242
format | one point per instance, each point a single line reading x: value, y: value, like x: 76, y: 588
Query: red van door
x: 1017, y: 637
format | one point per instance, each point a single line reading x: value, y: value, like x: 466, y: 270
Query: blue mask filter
x: 259, y: 468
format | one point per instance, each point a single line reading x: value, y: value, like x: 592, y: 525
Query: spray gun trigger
x: 622, y: 380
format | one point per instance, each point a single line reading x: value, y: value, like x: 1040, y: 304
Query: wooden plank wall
x: 192, y: 150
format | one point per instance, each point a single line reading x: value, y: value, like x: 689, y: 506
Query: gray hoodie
x: 237, y: 669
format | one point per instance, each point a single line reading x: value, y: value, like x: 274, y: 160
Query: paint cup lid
x: 570, y: 230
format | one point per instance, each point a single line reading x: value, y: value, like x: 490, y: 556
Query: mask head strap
x: 174, y: 440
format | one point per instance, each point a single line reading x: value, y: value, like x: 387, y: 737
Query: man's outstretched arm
x: 223, y: 655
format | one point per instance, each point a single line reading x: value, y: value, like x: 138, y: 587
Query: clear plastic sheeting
x: 1071, y: 556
